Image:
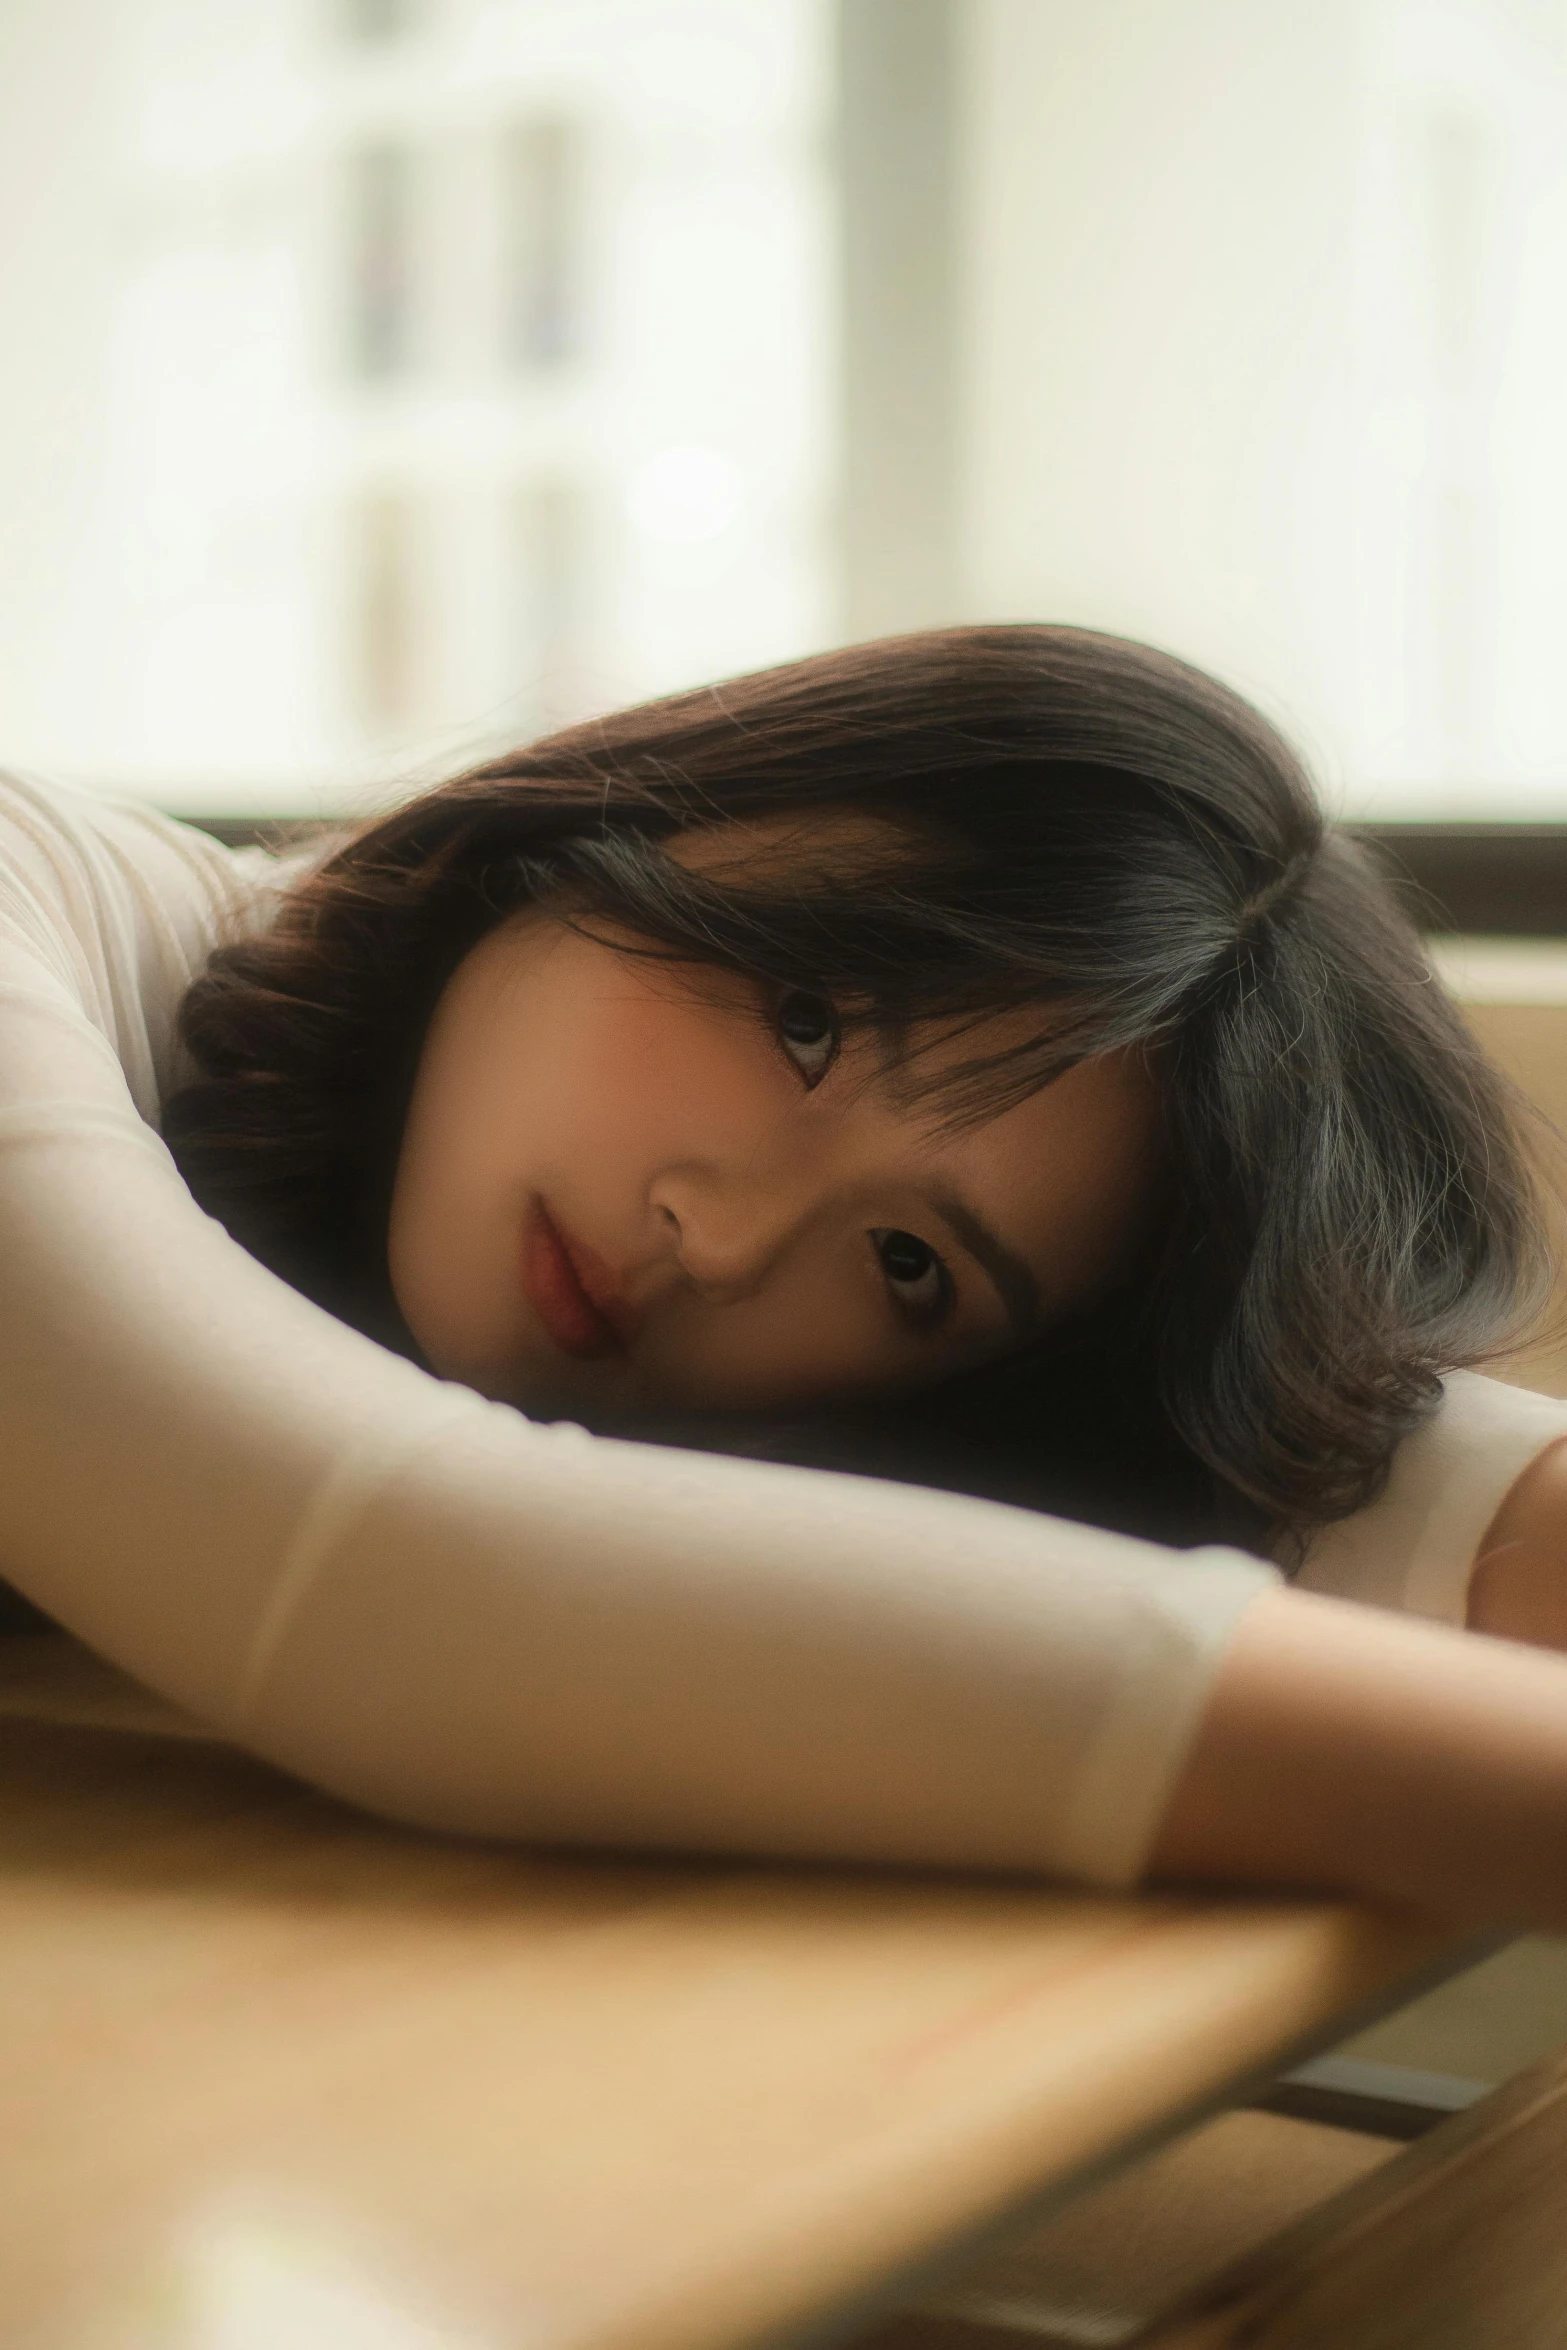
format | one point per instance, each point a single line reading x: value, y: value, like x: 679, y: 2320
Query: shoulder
x: 1414, y: 1547
x: 117, y: 908
x: 65, y: 848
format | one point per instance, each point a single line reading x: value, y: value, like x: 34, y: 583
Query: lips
x: 557, y: 1273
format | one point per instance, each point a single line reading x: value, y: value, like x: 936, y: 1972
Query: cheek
x: 639, y: 1077
x: 576, y: 1073
x: 623, y: 1072
x: 574, y: 1068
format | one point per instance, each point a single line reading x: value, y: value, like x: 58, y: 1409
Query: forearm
x: 1349, y: 1750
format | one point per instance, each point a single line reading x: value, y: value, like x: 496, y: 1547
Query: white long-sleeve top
x: 434, y: 1606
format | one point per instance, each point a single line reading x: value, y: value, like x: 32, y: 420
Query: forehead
x: 806, y: 844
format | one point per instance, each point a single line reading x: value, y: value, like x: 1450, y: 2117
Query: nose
x: 727, y: 1231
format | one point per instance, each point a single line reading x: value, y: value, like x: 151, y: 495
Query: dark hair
x: 1086, y: 825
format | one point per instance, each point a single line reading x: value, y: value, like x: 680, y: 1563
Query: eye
x: 808, y: 1030
x: 915, y: 1274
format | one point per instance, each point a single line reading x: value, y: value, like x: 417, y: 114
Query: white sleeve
x: 1414, y: 1548
x: 435, y: 1607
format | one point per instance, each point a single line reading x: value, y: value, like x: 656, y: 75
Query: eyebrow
x: 1018, y: 1289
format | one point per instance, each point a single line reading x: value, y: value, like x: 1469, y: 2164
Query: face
x: 624, y: 1187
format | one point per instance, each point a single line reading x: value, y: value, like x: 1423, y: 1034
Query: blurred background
x: 384, y: 379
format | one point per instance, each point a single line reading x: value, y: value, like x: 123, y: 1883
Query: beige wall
x: 1261, y: 323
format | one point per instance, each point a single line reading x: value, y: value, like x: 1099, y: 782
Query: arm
x: 1349, y: 1750
x: 1471, y: 1525
x: 456, y: 1617
x: 430, y: 1606
x: 1519, y: 1586
x: 1346, y: 1746
x: 437, y: 1610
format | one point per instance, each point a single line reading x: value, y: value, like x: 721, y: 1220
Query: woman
x: 983, y: 1016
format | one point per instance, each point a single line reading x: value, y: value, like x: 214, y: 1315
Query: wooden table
x: 274, y: 2074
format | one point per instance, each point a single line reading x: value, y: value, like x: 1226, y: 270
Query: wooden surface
x: 275, y: 2074
x: 1121, y: 2254
x: 1459, y: 2243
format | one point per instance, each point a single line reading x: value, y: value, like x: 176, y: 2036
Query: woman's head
x: 990, y: 994
x: 629, y: 1185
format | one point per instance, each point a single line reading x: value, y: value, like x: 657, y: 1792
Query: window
x: 376, y: 20
x: 546, y: 268
x: 379, y: 297
x: 1263, y: 321
x: 388, y: 315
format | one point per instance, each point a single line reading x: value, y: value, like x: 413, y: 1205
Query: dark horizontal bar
x: 250, y: 832
x: 1506, y: 880
x: 1379, y: 2100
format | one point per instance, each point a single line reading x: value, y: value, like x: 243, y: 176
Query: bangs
x: 910, y: 946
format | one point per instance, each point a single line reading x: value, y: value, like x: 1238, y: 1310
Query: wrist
x: 1348, y: 1750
